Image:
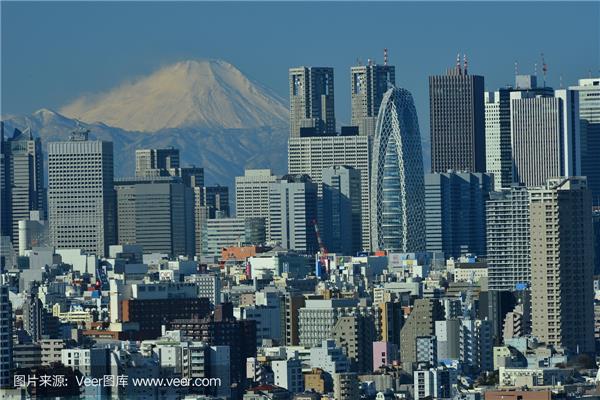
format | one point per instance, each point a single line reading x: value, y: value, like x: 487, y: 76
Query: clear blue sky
x: 54, y: 52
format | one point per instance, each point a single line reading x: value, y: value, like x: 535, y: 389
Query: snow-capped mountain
x: 201, y: 94
x: 218, y: 118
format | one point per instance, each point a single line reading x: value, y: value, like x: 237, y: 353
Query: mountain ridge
x: 192, y: 93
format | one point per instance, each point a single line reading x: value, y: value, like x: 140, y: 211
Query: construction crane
x: 323, y: 260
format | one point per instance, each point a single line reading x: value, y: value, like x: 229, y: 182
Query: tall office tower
x: 81, y: 196
x: 545, y: 136
x: 368, y: 85
x: 589, y: 115
x: 562, y: 297
x: 5, y: 223
x: 292, y: 213
x: 252, y: 193
x: 498, y: 150
x: 311, y: 101
x: 155, y: 162
x: 498, y: 154
x: 156, y: 213
x: 192, y: 176
x: 455, y: 212
x: 26, y: 193
x: 420, y: 322
x: 507, y: 234
x: 6, y: 320
x: 397, y: 200
x: 312, y: 155
x: 216, y: 199
x: 457, y: 121
x: 341, y: 210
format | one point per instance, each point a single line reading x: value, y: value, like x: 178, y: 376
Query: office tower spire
x: 397, y: 191
x: 311, y: 101
x: 457, y: 121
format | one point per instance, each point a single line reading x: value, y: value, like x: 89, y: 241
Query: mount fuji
x: 218, y: 118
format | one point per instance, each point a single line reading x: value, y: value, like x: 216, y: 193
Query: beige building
x: 562, y: 264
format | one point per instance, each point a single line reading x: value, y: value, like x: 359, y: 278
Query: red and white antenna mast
x: 385, y: 56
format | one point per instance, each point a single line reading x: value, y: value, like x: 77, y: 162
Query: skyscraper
x: 457, y: 121
x: 498, y: 149
x: 216, y: 199
x: 81, y: 196
x: 397, y: 191
x: 311, y: 101
x: 26, y: 193
x: 252, y: 193
x: 156, y: 213
x: 589, y: 115
x: 455, y: 212
x: 155, y: 162
x: 507, y: 232
x: 545, y: 136
x: 292, y: 213
x: 312, y: 155
x: 368, y: 85
x: 5, y: 335
x: 342, y: 210
x: 562, y: 296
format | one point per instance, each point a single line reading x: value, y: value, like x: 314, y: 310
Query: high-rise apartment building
x: 252, y: 193
x: 562, y: 296
x: 311, y: 101
x: 368, y: 85
x: 156, y: 213
x: 545, y: 136
x: 24, y: 180
x: 341, y: 210
x: 312, y: 155
x: 507, y: 233
x: 81, y: 196
x: 397, y: 191
x: 589, y: 116
x: 457, y: 121
x: 293, y: 212
x: 420, y: 322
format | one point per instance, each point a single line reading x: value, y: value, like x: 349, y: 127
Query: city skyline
x: 78, y: 65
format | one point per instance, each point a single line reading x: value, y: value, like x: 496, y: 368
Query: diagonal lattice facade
x: 397, y: 188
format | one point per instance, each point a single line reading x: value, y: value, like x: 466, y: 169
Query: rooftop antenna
x: 358, y: 62
x: 516, y: 68
x: 544, y: 68
x: 369, y: 62
x: 535, y: 72
x: 458, y: 63
x: 560, y: 80
x: 465, y: 63
x: 385, y: 56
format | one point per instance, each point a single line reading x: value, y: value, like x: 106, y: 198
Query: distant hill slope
x: 218, y: 118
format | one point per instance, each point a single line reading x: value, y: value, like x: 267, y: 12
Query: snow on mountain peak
x: 200, y: 94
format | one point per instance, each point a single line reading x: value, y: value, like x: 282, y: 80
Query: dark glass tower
x: 457, y: 121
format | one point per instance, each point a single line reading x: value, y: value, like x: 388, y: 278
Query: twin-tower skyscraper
x: 312, y: 110
x: 385, y: 116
